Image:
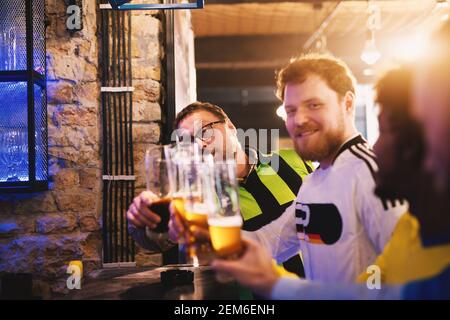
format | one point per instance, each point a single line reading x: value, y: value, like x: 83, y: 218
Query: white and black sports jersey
x: 337, y: 221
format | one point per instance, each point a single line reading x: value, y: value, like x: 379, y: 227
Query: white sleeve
x: 280, y: 236
x: 378, y: 217
x: 300, y: 289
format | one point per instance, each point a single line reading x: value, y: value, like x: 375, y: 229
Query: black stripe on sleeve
x: 269, y: 205
x: 286, y: 173
x: 264, y: 218
x: 372, y: 171
x: 363, y: 149
x: 359, y: 156
x: 348, y: 144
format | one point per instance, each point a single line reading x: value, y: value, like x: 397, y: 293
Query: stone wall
x: 41, y: 232
x: 148, y: 52
x: 148, y: 35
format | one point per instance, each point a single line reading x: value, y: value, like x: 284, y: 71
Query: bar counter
x: 139, y: 284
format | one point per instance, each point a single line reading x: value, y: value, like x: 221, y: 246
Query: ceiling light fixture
x: 371, y: 54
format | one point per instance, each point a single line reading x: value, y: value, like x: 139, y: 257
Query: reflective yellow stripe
x: 279, y: 189
x: 293, y: 160
x: 248, y: 205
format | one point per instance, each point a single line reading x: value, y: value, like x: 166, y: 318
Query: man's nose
x: 301, y: 117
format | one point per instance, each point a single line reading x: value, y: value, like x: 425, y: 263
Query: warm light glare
x: 442, y: 4
x: 444, y: 17
x: 368, y: 72
x: 195, y: 262
x: 370, y: 54
x: 410, y: 48
x: 281, y: 112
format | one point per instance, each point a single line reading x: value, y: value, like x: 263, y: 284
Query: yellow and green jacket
x: 269, y: 189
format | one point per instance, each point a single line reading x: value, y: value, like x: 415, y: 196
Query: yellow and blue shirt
x: 406, y: 259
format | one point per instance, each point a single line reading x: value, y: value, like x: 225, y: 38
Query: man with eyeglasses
x: 267, y: 183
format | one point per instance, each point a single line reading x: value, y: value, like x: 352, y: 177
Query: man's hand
x: 139, y: 213
x: 178, y: 228
x: 254, y: 269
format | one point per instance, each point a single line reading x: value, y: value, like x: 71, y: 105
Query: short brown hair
x: 199, y: 106
x: 393, y: 92
x: 394, y: 97
x: 334, y: 71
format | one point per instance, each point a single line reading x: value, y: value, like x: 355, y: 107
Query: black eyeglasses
x: 205, y: 134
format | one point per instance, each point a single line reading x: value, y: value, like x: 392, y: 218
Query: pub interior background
x: 116, y: 81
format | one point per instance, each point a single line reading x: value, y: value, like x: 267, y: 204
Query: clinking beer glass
x: 225, y: 222
x: 198, y: 202
x: 159, y: 176
x: 192, y: 197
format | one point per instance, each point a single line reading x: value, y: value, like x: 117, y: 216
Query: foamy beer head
x: 197, y: 214
x: 225, y: 235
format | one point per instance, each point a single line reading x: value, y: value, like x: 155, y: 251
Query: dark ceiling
x: 240, y: 44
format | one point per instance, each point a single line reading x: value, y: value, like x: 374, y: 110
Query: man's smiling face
x: 315, y: 118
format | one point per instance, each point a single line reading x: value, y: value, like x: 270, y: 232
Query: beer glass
x: 225, y: 222
x: 180, y: 155
x: 198, y: 203
x: 158, y: 173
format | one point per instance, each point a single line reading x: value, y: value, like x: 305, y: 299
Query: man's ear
x: 349, y: 100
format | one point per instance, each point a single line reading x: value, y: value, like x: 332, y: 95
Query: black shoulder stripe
x: 372, y: 171
x: 372, y: 162
x: 348, y: 144
x: 364, y: 150
x: 383, y: 201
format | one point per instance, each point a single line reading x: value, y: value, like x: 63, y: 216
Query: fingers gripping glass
x: 159, y: 181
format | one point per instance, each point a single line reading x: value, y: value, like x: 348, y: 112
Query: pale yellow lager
x: 225, y: 235
x: 197, y: 214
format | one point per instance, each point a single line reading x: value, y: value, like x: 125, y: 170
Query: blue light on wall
x: 23, y: 99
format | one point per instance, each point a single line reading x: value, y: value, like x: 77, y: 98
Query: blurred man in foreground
x: 432, y: 278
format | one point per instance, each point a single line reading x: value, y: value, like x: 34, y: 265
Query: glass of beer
x: 159, y: 176
x: 225, y: 222
x: 198, y: 202
x: 182, y: 156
